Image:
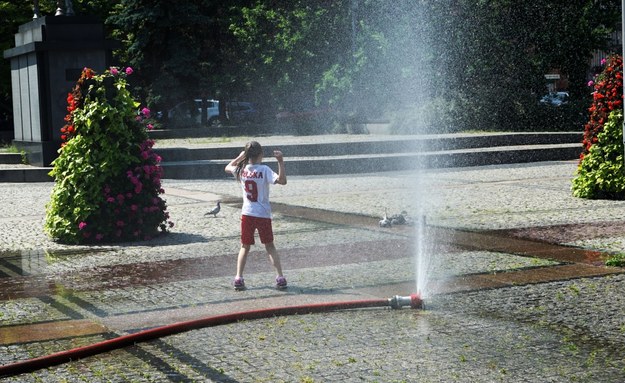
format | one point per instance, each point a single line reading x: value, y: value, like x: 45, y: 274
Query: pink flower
x: 82, y: 225
x: 145, y: 112
x: 114, y: 71
x: 110, y: 200
x: 603, y: 61
x: 129, y: 71
x: 591, y: 83
x: 150, y: 126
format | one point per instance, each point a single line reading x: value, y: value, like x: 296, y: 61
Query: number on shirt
x: 252, y: 190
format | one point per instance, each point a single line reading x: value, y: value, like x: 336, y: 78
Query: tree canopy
x: 455, y: 64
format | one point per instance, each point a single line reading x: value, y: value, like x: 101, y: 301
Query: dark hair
x: 252, y: 151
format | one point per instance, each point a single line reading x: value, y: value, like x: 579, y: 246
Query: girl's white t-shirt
x: 255, y: 182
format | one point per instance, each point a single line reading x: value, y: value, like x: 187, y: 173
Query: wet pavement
x: 518, y: 291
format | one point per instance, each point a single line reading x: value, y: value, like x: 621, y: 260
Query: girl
x: 255, y: 179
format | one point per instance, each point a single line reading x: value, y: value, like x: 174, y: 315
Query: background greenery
x: 425, y: 65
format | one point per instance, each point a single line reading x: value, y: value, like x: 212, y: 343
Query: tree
x: 286, y: 46
x: 495, y: 55
x: 181, y: 50
x: 471, y: 64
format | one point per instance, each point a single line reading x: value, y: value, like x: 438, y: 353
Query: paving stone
x: 560, y: 331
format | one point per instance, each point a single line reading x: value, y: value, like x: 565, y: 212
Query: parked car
x: 242, y: 111
x: 555, y: 98
x: 236, y: 111
x: 192, y: 110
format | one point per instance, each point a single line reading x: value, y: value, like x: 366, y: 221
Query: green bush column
x: 600, y: 173
x: 107, y: 177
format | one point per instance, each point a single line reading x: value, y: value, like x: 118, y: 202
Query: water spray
x: 414, y: 301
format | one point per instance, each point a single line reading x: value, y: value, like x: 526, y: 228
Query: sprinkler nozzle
x: 414, y: 301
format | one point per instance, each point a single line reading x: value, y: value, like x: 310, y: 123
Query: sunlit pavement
x: 504, y: 303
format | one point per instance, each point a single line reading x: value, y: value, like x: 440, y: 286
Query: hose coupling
x: 413, y: 300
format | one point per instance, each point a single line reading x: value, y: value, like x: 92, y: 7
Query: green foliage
x: 361, y: 59
x: 292, y: 44
x: 600, y: 173
x: 616, y: 260
x: 181, y: 50
x: 107, y: 178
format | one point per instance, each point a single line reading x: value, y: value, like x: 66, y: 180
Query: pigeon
x: 398, y: 219
x: 215, y: 210
x: 385, y: 222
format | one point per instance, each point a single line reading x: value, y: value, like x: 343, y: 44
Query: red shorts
x: 250, y: 224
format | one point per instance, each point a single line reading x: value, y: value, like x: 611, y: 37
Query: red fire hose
x: 30, y: 365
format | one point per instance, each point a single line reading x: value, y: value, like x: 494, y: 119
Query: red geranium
x: 74, y: 101
x: 607, y: 96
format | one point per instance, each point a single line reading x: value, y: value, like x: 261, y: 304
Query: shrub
x: 107, y: 177
x: 600, y: 173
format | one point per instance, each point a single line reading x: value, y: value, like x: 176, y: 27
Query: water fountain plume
x: 422, y: 258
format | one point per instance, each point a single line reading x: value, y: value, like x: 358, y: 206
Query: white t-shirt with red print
x: 255, y: 183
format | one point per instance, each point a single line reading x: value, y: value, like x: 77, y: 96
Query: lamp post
x: 66, y: 9
x: 36, y: 12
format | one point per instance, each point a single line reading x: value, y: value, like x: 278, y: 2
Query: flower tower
x: 107, y: 177
x: 600, y: 173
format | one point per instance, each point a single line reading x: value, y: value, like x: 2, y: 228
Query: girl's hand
x: 278, y: 155
x: 240, y: 157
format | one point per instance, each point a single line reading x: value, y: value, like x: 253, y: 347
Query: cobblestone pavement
x: 538, y: 329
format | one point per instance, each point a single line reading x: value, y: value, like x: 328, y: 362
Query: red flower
x: 607, y: 96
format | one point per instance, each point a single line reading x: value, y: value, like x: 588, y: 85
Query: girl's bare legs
x: 245, y: 250
x: 274, y: 257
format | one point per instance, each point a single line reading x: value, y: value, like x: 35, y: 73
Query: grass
x: 10, y: 148
x: 616, y: 260
x: 165, y: 142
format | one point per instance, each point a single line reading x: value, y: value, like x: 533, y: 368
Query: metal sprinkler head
x: 413, y: 300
